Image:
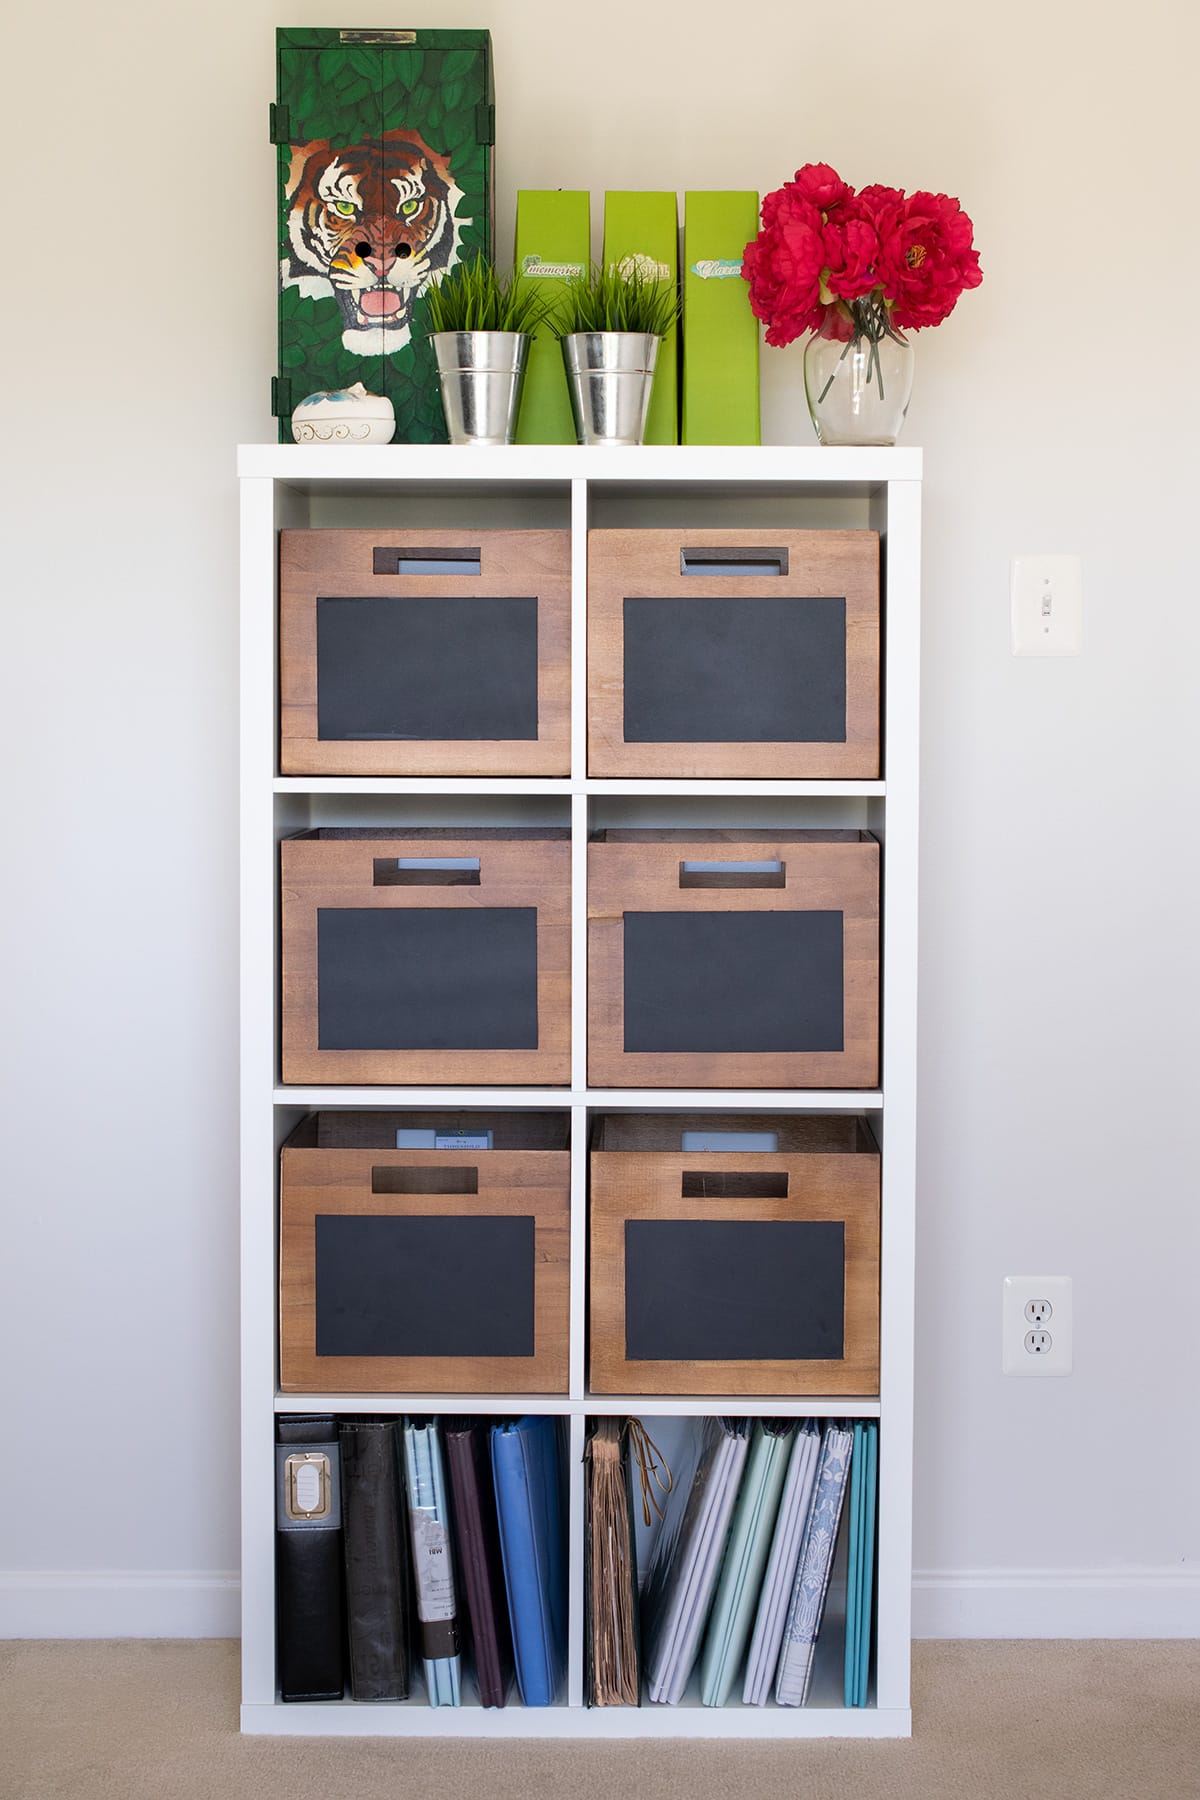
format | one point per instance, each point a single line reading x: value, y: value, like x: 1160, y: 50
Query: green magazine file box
x: 386, y: 175
x: 646, y: 227
x: 720, y: 333
x: 553, y: 245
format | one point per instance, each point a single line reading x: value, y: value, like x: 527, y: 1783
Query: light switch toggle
x: 1047, y: 605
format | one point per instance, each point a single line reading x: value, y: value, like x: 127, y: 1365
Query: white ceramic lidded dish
x: 344, y: 416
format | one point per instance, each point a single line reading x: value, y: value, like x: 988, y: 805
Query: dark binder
x: 310, y: 1628
x: 477, y: 1541
x: 377, y: 1559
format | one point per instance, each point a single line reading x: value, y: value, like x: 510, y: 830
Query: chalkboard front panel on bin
x: 439, y: 1267
x: 733, y: 654
x: 733, y: 959
x: 424, y: 652
x: 734, y: 1255
x: 426, y: 957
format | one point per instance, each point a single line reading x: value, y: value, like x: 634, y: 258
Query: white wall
x: 1057, y: 410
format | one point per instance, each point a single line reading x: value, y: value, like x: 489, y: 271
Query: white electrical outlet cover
x: 1026, y: 1349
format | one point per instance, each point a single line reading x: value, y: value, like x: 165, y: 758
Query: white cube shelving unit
x: 571, y: 487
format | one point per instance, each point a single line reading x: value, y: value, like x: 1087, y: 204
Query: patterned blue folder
x: 812, y: 1574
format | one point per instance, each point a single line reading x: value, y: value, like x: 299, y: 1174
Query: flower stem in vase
x: 861, y: 400
x: 841, y: 359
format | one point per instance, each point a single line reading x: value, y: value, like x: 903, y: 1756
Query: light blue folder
x: 786, y: 1545
x: 433, y: 1559
x: 860, y: 1572
x: 682, y: 1578
x: 745, y: 1558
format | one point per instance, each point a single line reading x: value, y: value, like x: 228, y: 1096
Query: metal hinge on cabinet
x: 281, y: 124
x: 281, y: 396
x: 485, y: 123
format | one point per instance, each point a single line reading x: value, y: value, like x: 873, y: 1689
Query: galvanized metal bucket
x: 610, y: 375
x: 481, y: 374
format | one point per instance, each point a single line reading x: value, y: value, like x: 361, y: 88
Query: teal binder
x: 860, y: 1570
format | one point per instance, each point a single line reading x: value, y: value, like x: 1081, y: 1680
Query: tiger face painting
x: 372, y: 223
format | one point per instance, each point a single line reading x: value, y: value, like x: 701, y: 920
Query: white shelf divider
x: 813, y: 1100
x: 659, y: 1406
x: 552, y: 787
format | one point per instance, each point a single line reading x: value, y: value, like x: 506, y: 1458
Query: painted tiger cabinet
x: 385, y: 157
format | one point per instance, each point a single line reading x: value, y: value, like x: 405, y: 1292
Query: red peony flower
x: 783, y: 266
x: 926, y: 257
x: 822, y: 186
x: 851, y: 246
x: 873, y: 199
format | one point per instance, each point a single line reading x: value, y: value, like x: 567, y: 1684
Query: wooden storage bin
x: 424, y: 652
x: 733, y: 654
x: 427, y: 957
x: 733, y: 959
x: 425, y: 1270
x: 734, y: 1271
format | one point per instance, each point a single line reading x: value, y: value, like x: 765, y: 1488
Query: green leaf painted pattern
x: 456, y: 64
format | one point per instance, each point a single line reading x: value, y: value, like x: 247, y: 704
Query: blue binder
x: 527, y: 1470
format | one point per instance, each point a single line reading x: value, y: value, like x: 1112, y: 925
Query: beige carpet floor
x: 994, y: 1721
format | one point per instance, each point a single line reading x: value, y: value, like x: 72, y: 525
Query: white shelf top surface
x: 835, y: 467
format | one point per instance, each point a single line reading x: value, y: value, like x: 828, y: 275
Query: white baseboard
x: 1056, y: 1603
x: 118, y: 1603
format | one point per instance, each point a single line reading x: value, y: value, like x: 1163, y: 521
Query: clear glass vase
x: 858, y: 376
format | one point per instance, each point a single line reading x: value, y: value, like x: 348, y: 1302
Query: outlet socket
x: 1037, y: 1335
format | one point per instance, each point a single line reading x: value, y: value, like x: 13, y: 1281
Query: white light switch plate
x: 1047, y: 605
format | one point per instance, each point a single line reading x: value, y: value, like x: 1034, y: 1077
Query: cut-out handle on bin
x: 733, y: 874
x: 426, y: 871
x: 729, y: 1184
x: 733, y: 559
x: 396, y: 559
x: 449, y: 1180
